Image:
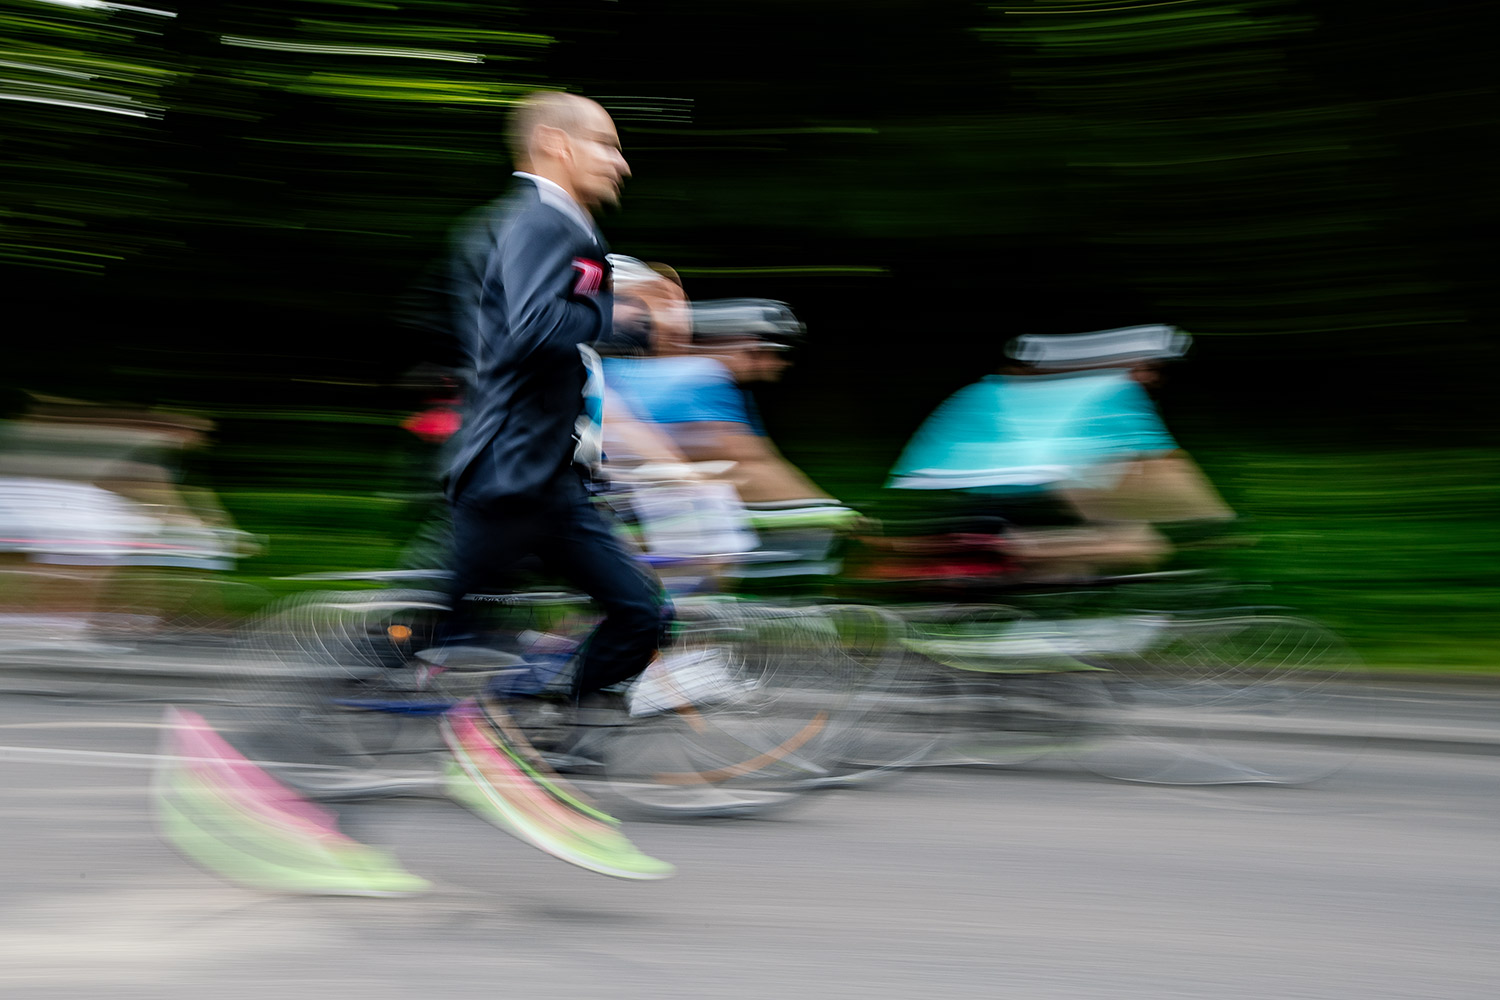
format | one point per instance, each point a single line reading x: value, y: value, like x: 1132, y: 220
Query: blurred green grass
x: 1398, y: 550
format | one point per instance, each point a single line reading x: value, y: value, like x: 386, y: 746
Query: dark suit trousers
x: 573, y: 541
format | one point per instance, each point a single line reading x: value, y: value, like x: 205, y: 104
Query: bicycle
x: 1184, y: 690
x: 749, y: 706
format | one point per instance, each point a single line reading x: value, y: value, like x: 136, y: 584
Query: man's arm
x: 551, y: 305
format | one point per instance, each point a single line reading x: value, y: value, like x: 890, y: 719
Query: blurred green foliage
x: 1397, y: 549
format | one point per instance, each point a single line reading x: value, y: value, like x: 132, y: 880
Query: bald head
x: 549, y: 108
x: 571, y: 141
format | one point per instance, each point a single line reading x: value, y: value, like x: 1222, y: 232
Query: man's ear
x: 552, y: 142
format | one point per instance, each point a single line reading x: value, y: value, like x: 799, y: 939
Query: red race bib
x: 590, y: 276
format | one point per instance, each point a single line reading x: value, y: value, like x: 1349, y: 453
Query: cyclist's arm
x: 759, y: 474
x: 1143, y: 475
x: 1158, y: 486
x: 623, y: 429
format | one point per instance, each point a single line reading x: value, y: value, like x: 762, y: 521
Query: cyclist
x: 1066, y: 446
x: 699, y: 399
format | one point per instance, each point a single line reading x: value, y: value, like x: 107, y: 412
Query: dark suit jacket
x: 527, y: 287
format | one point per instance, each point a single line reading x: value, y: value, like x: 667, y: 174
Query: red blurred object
x: 436, y: 424
x: 951, y: 557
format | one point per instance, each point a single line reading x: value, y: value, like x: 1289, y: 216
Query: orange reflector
x: 399, y: 633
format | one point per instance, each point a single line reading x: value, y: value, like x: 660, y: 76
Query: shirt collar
x: 553, y: 194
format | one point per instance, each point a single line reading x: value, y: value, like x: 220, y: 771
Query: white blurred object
x: 665, y: 472
x: 56, y: 521
x: 765, y: 319
x: 684, y: 679
x: 703, y: 518
x: 1152, y: 342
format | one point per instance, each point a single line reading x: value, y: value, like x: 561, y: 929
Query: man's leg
x: 592, y: 559
x: 487, y: 543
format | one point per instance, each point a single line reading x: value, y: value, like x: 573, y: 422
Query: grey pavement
x: 1048, y: 884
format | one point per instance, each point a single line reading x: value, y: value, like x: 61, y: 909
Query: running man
x: 530, y: 290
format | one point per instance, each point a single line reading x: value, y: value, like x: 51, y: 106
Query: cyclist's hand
x: 632, y: 323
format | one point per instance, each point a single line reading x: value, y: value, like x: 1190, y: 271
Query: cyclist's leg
x: 590, y: 557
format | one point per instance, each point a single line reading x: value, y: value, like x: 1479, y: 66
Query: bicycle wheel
x: 747, y: 708
x: 882, y: 734
x: 348, y: 685
x: 1003, y: 689
x: 336, y: 684
x: 1232, y: 700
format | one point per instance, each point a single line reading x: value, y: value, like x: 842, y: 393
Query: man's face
x: 597, y: 169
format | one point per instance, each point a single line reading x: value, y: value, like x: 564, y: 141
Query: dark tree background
x: 1312, y: 180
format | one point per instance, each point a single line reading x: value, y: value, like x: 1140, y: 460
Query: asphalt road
x: 1381, y: 882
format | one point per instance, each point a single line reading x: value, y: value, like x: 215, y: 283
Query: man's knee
x: 639, y: 612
